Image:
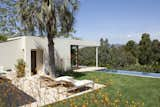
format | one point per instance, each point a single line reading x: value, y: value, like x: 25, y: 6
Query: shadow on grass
x: 73, y: 74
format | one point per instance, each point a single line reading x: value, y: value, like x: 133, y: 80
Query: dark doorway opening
x: 33, y: 62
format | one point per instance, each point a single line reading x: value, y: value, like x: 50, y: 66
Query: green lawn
x: 121, y: 90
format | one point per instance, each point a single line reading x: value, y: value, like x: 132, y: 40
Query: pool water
x: 133, y: 73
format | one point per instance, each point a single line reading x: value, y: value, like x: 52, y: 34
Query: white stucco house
x: 34, y: 51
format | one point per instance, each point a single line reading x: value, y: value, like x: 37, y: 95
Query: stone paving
x: 45, y: 95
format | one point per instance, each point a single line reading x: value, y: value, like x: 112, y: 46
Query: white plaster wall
x: 63, y: 47
x: 11, y: 51
x: 62, y: 51
x: 34, y: 43
x: 21, y: 48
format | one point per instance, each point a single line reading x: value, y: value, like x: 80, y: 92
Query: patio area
x: 44, y: 94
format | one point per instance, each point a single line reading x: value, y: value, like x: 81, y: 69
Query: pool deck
x: 89, y: 69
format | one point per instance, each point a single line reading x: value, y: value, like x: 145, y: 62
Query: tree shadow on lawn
x: 73, y: 74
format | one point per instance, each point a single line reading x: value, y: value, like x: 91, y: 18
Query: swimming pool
x: 133, y: 73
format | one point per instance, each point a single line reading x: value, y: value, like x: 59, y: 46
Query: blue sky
x: 118, y: 20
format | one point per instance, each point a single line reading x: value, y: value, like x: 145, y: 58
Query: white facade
x: 21, y: 47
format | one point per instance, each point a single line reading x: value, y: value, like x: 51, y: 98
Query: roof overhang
x: 80, y: 42
x: 84, y: 43
x: 65, y: 40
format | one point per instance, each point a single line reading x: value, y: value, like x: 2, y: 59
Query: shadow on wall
x: 58, y: 60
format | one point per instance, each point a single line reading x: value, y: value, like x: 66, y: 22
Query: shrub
x: 108, y: 66
x: 3, y: 38
x: 142, y: 68
x: 20, y: 68
x: 156, y: 68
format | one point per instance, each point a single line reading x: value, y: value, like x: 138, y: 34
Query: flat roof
x: 66, y: 40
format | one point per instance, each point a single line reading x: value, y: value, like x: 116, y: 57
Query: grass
x: 121, y: 91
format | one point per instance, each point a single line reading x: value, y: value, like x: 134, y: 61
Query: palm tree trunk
x: 51, y: 22
x: 51, y: 52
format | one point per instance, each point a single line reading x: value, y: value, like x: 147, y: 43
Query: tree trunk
x: 51, y: 24
x: 51, y: 52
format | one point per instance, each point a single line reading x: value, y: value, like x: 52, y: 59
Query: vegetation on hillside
x: 142, y: 56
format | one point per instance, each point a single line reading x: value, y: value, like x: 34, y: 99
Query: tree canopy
x: 32, y: 16
x: 47, y: 16
x: 145, y: 49
x: 8, y: 17
x: 142, y: 56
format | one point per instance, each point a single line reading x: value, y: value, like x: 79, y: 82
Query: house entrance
x: 33, y: 62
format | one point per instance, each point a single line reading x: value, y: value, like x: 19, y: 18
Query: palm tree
x: 52, y: 18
